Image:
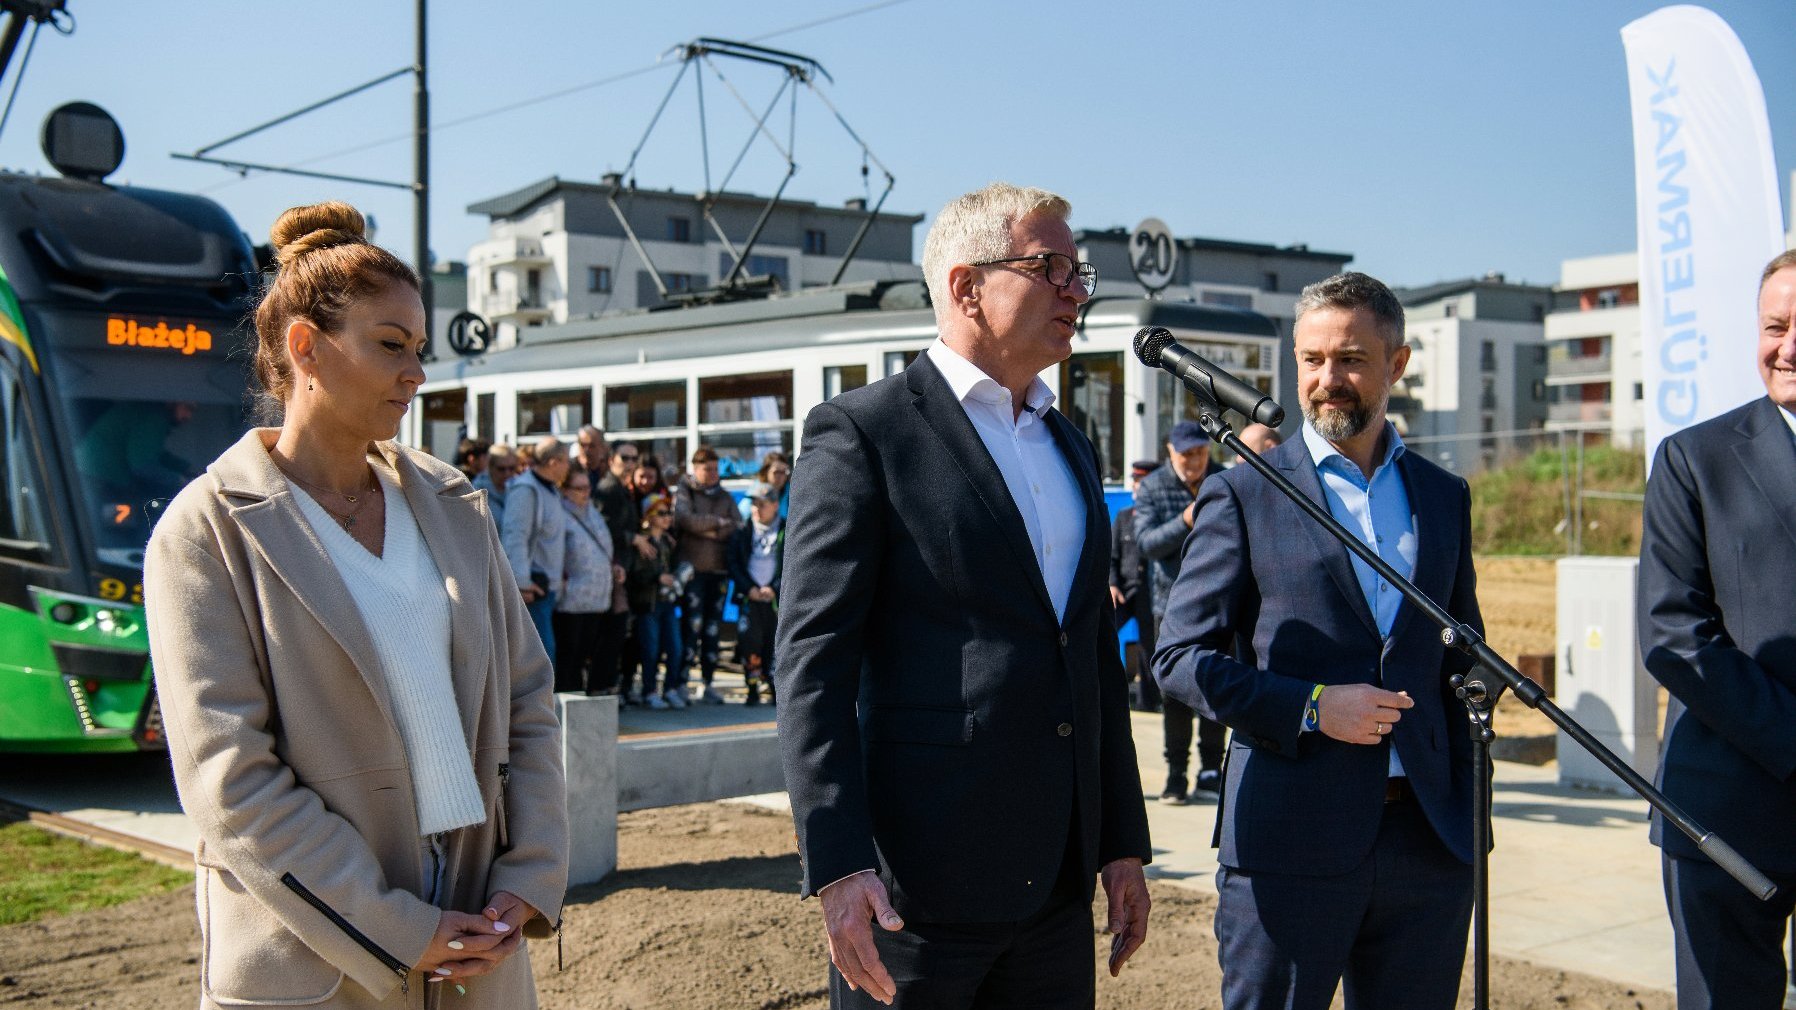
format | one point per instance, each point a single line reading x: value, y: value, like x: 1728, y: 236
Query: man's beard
x: 1337, y: 425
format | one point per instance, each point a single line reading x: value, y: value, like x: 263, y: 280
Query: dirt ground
x: 703, y: 912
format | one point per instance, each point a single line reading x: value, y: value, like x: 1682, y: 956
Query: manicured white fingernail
x: 454, y: 945
x: 500, y: 927
x: 442, y: 971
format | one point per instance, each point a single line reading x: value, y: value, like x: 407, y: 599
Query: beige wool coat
x: 288, y: 760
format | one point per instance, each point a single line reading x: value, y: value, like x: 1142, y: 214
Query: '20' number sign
x: 1153, y: 255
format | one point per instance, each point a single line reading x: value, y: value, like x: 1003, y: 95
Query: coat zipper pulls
x: 499, y: 808
x: 393, y: 964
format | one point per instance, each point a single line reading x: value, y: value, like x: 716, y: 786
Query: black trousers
x: 1045, y: 962
x: 1177, y: 720
x: 586, y: 651
x: 1730, y: 945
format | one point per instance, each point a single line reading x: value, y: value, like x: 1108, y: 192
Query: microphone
x: 1156, y: 349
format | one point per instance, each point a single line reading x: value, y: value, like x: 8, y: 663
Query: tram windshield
x: 143, y: 417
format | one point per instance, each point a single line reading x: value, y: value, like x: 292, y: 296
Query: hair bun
x: 301, y: 230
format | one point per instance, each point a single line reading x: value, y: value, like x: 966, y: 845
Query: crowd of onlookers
x: 627, y: 563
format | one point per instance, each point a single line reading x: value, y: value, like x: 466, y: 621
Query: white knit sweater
x: 403, y: 601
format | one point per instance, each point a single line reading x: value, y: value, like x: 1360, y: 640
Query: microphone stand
x: 1479, y: 690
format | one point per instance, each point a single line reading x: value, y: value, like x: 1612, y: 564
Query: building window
x: 1487, y: 395
x: 1091, y: 390
x: 1487, y: 355
x: 1608, y: 298
x: 1540, y: 354
x: 445, y: 419
x: 816, y: 243
x: 679, y: 229
x: 492, y: 282
x: 533, y: 288
x: 744, y: 417
x: 1539, y: 390
x: 677, y: 282
x: 1639, y: 391
x: 553, y: 411
x: 1538, y: 312
x: 1451, y: 309
x: 839, y: 379
x: 1269, y: 281
x: 598, y: 280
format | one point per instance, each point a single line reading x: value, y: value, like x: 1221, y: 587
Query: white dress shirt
x: 1039, y: 477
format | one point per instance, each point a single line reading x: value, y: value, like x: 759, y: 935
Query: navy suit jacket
x: 1256, y: 567
x: 937, y: 722
x: 1718, y: 629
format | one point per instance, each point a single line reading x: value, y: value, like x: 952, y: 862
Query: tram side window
x: 744, y: 417
x: 1091, y: 390
x: 23, y: 522
x: 553, y: 411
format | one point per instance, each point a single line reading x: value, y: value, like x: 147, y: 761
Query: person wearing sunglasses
x: 953, y: 716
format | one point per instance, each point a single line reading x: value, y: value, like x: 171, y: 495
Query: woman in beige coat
x: 358, y: 710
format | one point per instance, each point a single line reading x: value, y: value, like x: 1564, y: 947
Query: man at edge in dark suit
x: 1718, y: 629
x: 953, y: 716
x: 1345, y: 819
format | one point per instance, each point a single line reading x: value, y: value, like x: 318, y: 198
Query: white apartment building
x: 1477, y: 369
x: 556, y: 251
x: 1594, y: 380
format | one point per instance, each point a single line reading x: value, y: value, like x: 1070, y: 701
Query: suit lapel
x: 449, y: 518
x: 1766, y: 457
x: 1301, y: 470
x: 944, y: 415
x: 1091, y: 494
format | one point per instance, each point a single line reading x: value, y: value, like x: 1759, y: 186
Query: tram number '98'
x: 117, y: 589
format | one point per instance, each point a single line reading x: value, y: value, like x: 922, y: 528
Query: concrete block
x: 589, y: 753
x: 697, y: 766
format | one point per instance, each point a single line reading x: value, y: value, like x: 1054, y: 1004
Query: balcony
x: 1579, y: 413
x: 520, y: 311
x: 1561, y: 365
x: 515, y: 252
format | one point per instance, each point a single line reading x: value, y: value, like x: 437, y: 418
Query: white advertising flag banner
x: 1709, y: 218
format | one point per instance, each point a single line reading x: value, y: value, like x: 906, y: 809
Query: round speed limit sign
x: 1153, y: 255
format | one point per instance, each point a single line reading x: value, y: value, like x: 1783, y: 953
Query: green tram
x: 124, y: 355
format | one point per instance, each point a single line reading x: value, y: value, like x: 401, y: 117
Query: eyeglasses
x: 628, y: 457
x: 1058, y: 269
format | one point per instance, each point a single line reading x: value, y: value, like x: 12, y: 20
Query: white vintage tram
x: 740, y: 376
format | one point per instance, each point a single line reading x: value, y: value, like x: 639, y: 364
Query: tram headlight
x: 65, y: 613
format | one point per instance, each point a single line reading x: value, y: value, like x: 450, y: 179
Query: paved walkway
x: 1575, y: 882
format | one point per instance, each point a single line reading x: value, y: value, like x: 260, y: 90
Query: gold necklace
x: 357, y: 502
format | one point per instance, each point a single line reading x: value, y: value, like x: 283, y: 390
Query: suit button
x: 1064, y: 729
x: 1063, y: 639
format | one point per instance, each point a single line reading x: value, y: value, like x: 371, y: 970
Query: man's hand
x: 848, y: 905
x: 1117, y: 598
x: 530, y: 593
x: 1189, y: 514
x: 1126, y: 886
x: 1361, y: 713
x: 643, y: 546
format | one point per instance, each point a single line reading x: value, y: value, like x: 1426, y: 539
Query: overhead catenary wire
x: 549, y: 96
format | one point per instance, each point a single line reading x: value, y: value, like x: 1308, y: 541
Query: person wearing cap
x: 1128, y: 590
x: 1163, y: 503
x: 756, y: 552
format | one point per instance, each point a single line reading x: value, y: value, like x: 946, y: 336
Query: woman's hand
x: 466, y: 946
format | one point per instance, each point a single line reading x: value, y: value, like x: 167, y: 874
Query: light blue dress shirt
x: 1377, y: 511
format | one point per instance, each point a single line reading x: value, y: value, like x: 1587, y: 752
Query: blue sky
x: 1431, y: 140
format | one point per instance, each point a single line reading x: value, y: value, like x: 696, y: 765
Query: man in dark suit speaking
x: 1345, y: 821
x: 1718, y: 629
x: 953, y: 716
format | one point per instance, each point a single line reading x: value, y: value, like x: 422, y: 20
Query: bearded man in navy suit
x: 1345, y: 821
x: 1718, y: 629
x: 954, y: 720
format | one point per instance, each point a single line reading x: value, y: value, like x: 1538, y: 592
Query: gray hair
x: 548, y: 449
x: 976, y: 227
x: 1354, y: 290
